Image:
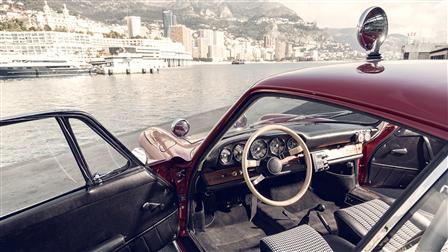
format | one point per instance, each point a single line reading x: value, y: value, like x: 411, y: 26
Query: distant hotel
x: 75, y: 45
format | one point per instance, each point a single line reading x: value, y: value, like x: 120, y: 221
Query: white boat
x: 42, y: 67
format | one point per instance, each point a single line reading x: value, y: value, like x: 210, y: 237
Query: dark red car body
x: 413, y: 93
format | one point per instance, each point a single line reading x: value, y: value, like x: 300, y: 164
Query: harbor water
x: 131, y: 103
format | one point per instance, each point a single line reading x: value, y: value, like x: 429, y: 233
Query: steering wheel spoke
x: 258, y: 179
x: 253, y: 163
x: 288, y: 159
x: 295, y: 150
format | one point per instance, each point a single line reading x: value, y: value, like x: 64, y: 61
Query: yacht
x: 22, y: 68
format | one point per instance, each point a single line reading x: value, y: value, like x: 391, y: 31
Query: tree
x: 12, y: 25
x: 47, y: 28
x: 113, y: 34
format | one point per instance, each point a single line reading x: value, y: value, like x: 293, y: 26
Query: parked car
x: 350, y: 157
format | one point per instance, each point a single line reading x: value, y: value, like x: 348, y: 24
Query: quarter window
x: 101, y: 157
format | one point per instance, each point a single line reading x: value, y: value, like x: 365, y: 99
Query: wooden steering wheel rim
x: 245, y: 165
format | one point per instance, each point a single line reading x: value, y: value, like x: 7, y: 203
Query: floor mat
x: 231, y: 232
x: 298, y: 210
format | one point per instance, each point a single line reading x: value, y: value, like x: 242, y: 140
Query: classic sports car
x: 349, y: 157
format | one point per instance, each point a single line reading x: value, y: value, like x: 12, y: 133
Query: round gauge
x: 360, y: 137
x: 291, y: 143
x: 367, y: 136
x: 277, y: 146
x: 238, y: 152
x: 258, y: 149
x: 225, y: 157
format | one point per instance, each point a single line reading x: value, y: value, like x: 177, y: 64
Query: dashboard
x: 328, y: 144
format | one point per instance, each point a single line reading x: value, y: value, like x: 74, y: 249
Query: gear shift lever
x: 319, y: 208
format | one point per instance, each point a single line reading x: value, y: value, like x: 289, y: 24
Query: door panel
x: 120, y: 206
x: 400, y: 158
x: 83, y: 220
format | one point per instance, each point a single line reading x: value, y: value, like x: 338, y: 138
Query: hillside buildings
x: 60, y: 32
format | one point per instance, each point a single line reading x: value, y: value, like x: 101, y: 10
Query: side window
x: 424, y: 227
x: 100, y: 156
x: 36, y: 165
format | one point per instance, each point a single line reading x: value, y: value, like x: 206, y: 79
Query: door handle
x: 402, y: 151
x: 150, y: 206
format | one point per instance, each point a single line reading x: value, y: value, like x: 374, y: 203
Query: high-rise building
x: 134, y: 26
x: 207, y: 35
x: 268, y: 41
x: 183, y: 35
x: 280, y: 50
x: 214, y: 41
x: 167, y: 16
x: 174, y: 19
x: 202, y: 47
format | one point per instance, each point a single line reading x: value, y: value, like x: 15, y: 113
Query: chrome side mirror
x: 180, y: 127
x: 372, y: 31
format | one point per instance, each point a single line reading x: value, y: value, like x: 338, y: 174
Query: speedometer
x: 258, y: 149
x: 238, y: 152
x: 277, y: 146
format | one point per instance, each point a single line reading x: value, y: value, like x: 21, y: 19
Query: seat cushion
x: 301, y: 238
x: 339, y: 244
x: 354, y: 222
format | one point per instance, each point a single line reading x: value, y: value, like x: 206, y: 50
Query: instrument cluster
x: 261, y: 148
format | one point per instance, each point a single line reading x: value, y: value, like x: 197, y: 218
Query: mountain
x: 238, y: 17
x: 115, y: 11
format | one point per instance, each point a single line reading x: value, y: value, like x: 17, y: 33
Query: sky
x: 426, y: 18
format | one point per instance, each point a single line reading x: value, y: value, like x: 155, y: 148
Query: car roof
x: 413, y: 93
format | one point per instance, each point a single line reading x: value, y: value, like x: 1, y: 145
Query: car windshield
x: 268, y: 110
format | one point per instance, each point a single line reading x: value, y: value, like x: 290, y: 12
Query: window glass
x: 47, y: 170
x: 424, y: 227
x: 274, y: 109
x: 100, y: 156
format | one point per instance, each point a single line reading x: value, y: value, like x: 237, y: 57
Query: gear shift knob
x: 320, y: 208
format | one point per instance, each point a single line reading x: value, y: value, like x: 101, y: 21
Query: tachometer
x: 238, y: 152
x: 258, y: 149
x: 225, y: 157
x: 277, y: 146
x: 291, y: 143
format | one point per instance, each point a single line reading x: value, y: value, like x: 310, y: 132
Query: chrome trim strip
x: 344, y: 159
x: 407, y: 205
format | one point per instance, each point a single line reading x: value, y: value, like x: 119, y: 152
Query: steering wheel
x: 275, y: 165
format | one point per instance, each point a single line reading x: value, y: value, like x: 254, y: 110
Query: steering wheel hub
x: 275, y: 165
